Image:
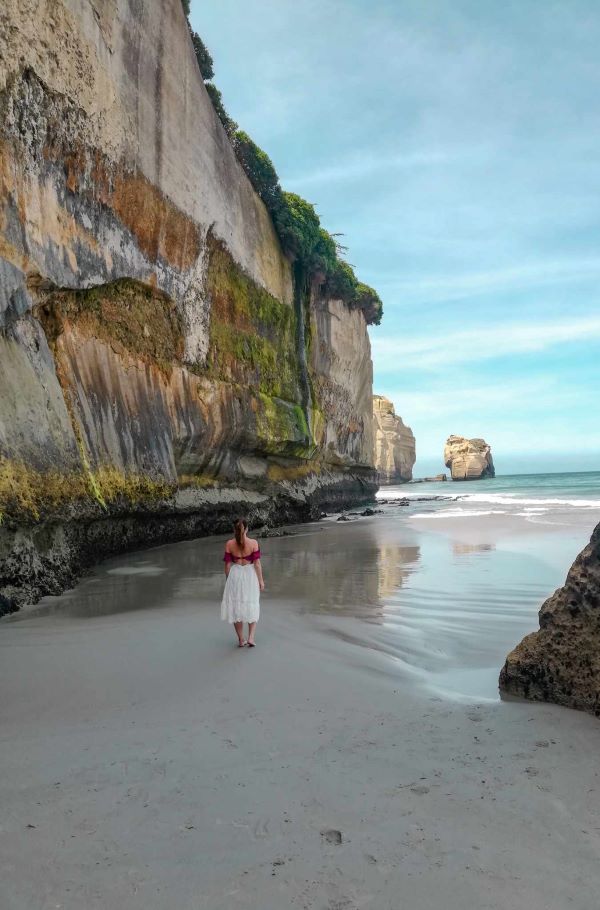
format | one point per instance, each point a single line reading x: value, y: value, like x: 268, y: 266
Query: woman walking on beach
x: 244, y: 582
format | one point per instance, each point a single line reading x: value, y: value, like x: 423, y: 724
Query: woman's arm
x: 227, y: 559
x: 259, y: 575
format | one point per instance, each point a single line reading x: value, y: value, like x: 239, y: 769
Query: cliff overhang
x: 160, y: 372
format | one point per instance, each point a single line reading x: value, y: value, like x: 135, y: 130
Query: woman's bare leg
x: 251, y: 628
x: 239, y: 628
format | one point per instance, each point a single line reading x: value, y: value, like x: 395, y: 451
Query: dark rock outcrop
x: 561, y: 662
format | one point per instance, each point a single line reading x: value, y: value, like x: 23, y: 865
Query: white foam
x: 501, y: 499
x: 458, y: 513
x: 513, y: 499
x: 400, y: 494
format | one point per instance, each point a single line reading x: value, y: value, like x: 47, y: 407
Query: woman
x: 244, y: 582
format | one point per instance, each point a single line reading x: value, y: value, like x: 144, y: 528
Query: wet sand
x: 148, y: 763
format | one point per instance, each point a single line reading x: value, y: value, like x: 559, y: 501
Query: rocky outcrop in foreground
x: 468, y: 459
x: 161, y: 367
x: 561, y: 662
x: 395, y: 452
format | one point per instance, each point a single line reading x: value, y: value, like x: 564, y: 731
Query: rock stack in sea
x: 468, y: 459
x: 561, y: 662
x: 395, y: 452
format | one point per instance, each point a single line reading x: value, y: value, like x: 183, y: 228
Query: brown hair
x: 239, y: 526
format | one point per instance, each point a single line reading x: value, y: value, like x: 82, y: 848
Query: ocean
x: 538, y: 498
x: 490, y: 553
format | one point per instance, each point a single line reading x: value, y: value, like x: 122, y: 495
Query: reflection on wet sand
x: 464, y: 549
x: 447, y: 611
x: 346, y: 571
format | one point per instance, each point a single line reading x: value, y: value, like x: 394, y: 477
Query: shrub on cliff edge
x: 205, y: 61
x: 258, y: 167
x: 315, y: 251
x: 217, y: 102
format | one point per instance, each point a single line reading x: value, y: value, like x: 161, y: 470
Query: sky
x: 456, y: 146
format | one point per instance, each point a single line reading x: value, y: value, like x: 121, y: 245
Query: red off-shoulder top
x: 251, y: 557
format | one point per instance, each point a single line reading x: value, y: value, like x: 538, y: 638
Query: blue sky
x: 457, y: 147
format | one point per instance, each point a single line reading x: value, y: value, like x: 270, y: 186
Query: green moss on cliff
x: 253, y: 344
x: 278, y: 473
x: 28, y: 495
x: 126, y: 313
x: 281, y: 427
x: 252, y: 334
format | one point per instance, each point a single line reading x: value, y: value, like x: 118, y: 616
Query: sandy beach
x: 148, y: 763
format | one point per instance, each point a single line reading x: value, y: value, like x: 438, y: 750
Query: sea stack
x: 468, y: 459
x: 395, y: 452
x: 561, y: 662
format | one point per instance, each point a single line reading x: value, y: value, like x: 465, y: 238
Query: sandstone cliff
x: 158, y: 372
x: 561, y: 662
x: 468, y: 459
x: 395, y: 452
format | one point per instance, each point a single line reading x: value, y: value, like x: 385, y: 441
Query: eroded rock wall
x: 561, y: 662
x: 394, y: 443
x: 157, y: 372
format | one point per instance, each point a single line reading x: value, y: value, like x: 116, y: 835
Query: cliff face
x: 468, y: 459
x: 561, y: 662
x: 157, y: 371
x: 395, y: 452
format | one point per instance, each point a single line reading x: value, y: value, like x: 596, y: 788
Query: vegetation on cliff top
x: 315, y: 252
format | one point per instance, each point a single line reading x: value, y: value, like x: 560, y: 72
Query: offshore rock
x: 158, y: 372
x: 395, y: 452
x: 468, y: 459
x: 561, y: 662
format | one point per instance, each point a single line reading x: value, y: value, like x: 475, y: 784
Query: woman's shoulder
x: 253, y: 543
x: 230, y: 543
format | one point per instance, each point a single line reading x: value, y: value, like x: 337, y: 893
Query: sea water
x: 531, y: 496
x: 491, y: 552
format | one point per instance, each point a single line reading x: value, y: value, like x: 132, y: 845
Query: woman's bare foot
x: 242, y: 644
x: 251, y: 644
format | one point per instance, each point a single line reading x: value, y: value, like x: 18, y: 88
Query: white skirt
x: 241, y: 595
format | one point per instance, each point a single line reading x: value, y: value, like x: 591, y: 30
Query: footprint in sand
x: 261, y: 828
x: 332, y: 836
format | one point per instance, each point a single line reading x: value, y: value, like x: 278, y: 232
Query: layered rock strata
x: 395, y: 451
x: 561, y: 662
x: 159, y: 371
x: 468, y: 459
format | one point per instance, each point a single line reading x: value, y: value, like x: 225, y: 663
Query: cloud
x: 368, y: 164
x: 442, y: 288
x: 484, y: 342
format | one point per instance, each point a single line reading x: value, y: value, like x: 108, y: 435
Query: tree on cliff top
x: 205, y: 61
x: 316, y: 252
x: 258, y: 167
x: 217, y: 102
